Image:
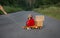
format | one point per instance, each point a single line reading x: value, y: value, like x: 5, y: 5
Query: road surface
x: 10, y: 26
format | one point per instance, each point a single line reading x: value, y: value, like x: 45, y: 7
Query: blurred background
x: 46, y: 7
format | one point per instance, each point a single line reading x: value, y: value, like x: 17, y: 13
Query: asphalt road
x: 10, y: 26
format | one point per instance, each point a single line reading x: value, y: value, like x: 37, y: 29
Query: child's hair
x: 30, y: 16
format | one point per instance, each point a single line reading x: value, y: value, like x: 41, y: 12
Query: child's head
x: 30, y: 16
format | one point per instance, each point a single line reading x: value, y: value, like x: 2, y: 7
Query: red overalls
x: 30, y: 22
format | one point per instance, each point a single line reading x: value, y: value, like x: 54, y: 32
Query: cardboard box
x: 39, y: 19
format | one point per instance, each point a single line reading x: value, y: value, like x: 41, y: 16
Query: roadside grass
x: 51, y: 11
x: 10, y: 9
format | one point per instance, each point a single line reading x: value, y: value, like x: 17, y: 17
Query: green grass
x: 10, y: 9
x: 50, y: 11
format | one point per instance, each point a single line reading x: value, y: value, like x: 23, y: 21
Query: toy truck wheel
x: 40, y: 27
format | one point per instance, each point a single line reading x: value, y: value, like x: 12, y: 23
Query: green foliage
x: 29, y: 3
x: 10, y: 9
x: 50, y: 11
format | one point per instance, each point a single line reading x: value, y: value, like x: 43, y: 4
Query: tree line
x: 29, y: 3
